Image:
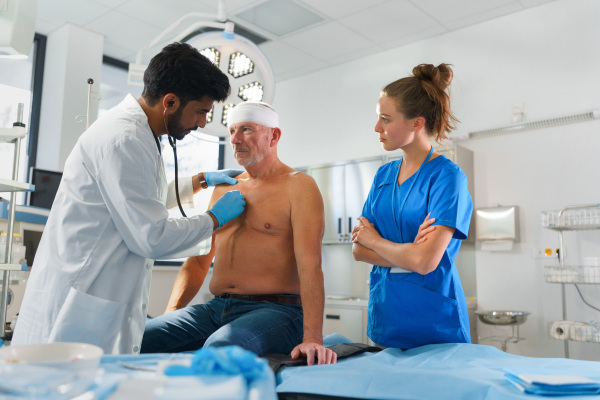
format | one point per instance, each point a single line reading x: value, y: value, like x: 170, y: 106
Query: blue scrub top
x: 409, y: 309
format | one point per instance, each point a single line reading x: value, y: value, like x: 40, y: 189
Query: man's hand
x: 215, y: 178
x: 314, y: 351
x: 424, y: 229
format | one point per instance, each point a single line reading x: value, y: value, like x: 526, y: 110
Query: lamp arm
x: 174, y: 25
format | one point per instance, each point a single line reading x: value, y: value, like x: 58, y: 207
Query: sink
x: 502, y: 317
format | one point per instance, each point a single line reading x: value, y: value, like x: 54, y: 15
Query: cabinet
x: 11, y: 135
x: 572, y: 218
x: 344, y: 187
x: 346, y: 317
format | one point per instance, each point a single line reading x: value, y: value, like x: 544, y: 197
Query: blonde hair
x: 424, y: 95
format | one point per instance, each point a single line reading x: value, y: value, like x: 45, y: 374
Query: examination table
x: 439, y: 371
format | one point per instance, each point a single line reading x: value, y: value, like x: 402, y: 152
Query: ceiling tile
x: 78, y: 12
x: 390, y: 20
x: 340, y: 8
x: 483, y: 16
x: 413, y: 37
x: 112, y: 4
x: 446, y: 11
x: 45, y: 27
x: 155, y: 13
x: 280, y: 17
x: 284, y: 57
x: 307, y: 69
x: 134, y: 36
x: 328, y: 40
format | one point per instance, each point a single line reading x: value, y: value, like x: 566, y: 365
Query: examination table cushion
x: 437, y: 371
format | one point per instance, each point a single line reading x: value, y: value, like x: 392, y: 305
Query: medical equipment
x: 250, y: 74
x: 14, y: 135
x: 78, y: 118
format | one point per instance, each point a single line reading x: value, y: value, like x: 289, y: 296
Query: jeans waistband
x: 273, y: 298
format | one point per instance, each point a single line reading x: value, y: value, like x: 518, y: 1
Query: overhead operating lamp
x: 248, y: 69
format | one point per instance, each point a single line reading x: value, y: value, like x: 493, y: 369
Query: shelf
x: 572, y: 219
x: 7, y: 185
x: 574, y: 331
x: 10, y: 134
x: 13, y: 267
x: 572, y: 274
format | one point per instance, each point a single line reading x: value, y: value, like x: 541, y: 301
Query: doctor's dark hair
x: 180, y: 69
x: 424, y: 95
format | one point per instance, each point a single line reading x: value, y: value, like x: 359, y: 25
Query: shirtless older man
x: 267, y: 277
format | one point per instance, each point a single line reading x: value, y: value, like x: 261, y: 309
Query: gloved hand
x: 215, y: 178
x: 228, y: 207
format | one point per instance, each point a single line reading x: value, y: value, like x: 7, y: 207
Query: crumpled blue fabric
x: 227, y: 360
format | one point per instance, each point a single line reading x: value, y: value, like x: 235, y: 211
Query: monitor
x: 46, y: 185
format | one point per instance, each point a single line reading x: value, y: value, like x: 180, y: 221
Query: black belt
x: 273, y: 298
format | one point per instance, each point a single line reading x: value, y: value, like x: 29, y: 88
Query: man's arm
x: 308, y: 222
x: 189, y: 280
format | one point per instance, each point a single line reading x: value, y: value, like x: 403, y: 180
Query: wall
x: 545, y: 57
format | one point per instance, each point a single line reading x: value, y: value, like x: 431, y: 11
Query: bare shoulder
x: 302, y: 182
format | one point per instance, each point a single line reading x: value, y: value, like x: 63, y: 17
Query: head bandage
x: 256, y: 112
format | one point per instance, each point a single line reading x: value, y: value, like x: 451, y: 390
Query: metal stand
x: 10, y: 225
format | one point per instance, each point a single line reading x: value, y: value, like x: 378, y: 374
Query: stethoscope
x: 173, y: 144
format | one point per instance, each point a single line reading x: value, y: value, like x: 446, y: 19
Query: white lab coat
x: 90, y: 279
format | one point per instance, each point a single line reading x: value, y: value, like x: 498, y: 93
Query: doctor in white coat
x: 91, y: 276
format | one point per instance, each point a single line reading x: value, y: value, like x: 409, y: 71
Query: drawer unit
x: 347, y: 321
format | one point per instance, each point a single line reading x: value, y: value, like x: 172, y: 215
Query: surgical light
x: 240, y: 65
x: 249, y: 71
x: 209, y: 116
x: 212, y: 54
x: 251, y: 92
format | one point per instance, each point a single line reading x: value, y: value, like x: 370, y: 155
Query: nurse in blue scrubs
x: 415, y: 217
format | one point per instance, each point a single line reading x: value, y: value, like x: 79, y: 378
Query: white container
x: 18, y: 249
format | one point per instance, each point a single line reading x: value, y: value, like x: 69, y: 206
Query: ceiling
x: 338, y: 31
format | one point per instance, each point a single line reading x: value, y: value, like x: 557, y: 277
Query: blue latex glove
x: 228, y: 207
x: 215, y: 178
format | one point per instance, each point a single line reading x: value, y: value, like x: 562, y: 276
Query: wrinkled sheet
x: 438, y: 371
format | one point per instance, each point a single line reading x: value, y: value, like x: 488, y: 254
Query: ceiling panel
x: 329, y: 40
x: 285, y: 58
x: 351, y: 29
x: 483, y: 16
x: 155, y: 13
x: 389, y: 21
x: 340, y: 8
x: 78, y: 12
x: 112, y: 25
x: 446, y: 11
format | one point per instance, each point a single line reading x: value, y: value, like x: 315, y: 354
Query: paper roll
x: 496, y: 245
x: 581, y: 332
x: 560, y: 330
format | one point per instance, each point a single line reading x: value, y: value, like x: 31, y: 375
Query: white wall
x: 546, y: 57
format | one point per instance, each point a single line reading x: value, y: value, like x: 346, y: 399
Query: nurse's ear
x: 419, y: 123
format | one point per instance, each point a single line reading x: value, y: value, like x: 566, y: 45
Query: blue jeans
x: 259, y: 326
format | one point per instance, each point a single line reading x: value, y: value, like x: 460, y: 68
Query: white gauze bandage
x: 257, y: 112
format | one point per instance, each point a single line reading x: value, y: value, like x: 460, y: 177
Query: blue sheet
x: 438, y: 371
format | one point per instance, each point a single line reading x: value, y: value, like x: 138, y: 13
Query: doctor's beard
x: 174, y: 126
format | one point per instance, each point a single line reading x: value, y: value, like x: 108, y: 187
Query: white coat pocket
x: 88, y: 319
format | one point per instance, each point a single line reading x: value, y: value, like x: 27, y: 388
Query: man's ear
x: 170, y: 101
x: 276, y: 132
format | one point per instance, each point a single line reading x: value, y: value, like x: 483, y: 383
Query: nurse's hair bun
x: 426, y: 94
x: 441, y: 76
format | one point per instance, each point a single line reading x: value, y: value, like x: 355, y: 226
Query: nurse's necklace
x: 173, y: 144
